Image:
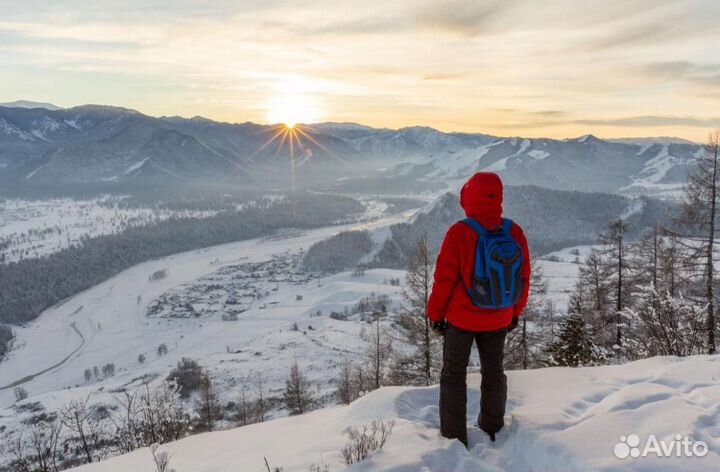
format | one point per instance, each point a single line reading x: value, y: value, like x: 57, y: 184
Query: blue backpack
x: 497, y: 282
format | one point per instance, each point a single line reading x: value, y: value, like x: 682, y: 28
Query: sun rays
x: 298, y: 144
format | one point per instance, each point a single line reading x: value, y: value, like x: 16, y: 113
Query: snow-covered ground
x: 559, y: 419
x: 108, y: 323
x: 560, y: 270
x: 35, y: 228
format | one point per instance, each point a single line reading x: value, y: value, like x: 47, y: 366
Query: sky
x: 552, y: 68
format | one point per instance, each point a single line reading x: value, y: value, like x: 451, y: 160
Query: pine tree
x: 575, y: 346
x: 297, y: 397
x: 208, y: 406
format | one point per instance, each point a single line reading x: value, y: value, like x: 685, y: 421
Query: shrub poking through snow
x: 20, y: 394
x: 271, y: 469
x: 366, y: 440
x: 161, y: 458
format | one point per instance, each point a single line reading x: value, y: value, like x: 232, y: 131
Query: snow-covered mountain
x: 30, y: 104
x: 585, y: 164
x: 400, y: 143
x: 101, y: 144
x: 559, y: 419
x: 96, y: 144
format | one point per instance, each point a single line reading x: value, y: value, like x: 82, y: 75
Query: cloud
x: 697, y: 74
x: 643, y: 121
x: 653, y: 121
x: 439, y: 76
x: 139, y: 10
x: 461, y: 16
x: 642, y: 23
x: 549, y: 112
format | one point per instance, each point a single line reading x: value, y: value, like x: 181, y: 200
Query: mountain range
x: 44, y: 144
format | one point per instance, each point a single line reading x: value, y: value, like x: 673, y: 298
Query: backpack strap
x: 507, y: 225
x: 477, y: 227
x: 480, y: 229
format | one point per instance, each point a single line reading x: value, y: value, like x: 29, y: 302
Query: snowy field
x: 559, y: 419
x: 560, y: 271
x: 34, y: 228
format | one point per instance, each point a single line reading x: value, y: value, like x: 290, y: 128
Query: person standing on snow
x: 482, y: 281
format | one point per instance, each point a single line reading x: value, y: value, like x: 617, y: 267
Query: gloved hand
x: 513, y: 324
x: 438, y: 327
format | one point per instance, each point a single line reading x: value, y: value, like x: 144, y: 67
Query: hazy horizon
x: 419, y: 125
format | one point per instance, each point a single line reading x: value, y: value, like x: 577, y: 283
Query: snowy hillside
x: 35, y: 228
x: 585, y: 164
x: 108, y: 323
x: 560, y: 419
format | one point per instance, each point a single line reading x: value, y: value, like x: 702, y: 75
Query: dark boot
x: 493, y: 389
x: 453, y: 383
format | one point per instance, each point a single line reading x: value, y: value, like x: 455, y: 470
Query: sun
x: 292, y: 109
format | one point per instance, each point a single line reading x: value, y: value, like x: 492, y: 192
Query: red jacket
x: 481, y: 198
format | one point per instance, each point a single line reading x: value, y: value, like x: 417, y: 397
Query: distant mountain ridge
x: 94, y: 143
x: 30, y: 104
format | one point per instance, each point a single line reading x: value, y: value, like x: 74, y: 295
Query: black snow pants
x: 453, y: 381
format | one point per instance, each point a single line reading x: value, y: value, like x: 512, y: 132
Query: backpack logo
x: 497, y: 282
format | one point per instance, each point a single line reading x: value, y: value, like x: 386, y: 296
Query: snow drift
x: 560, y: 419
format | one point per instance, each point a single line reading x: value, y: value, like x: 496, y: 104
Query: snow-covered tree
x: 378, y: 350
x: 664, y: 325
x: 524, y: 347
x: 38, y: 451
x: 575, y: 346
x: 615, y: 242
x: 344, y: 391
x: 699, y: 216
x: 591, y: 297
x: 79, y: 418
x: 207, y: 406
x: 297, y: 396
x: 244, y: 408
x: 261, y: 406
x: 421, y: 367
